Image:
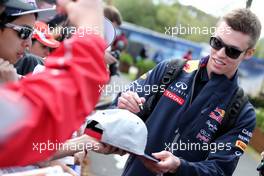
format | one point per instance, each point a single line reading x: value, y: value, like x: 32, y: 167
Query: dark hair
x: 4, y: 18
x: 245, y: 21
x: 113, y: 14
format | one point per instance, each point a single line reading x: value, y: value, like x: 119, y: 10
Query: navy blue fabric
x: 178, y: 120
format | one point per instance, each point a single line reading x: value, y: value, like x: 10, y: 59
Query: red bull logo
x: 218, y: 114
x: 191, y: 66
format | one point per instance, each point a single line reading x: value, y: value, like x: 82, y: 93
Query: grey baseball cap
x: 23, y: 7
x: 109, y: 32
x: 120, y: 128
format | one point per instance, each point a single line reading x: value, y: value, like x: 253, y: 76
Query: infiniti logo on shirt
x: 181, y: 85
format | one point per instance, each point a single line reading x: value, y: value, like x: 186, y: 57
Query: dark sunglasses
x: 23, y: 32
x: 230, y: 51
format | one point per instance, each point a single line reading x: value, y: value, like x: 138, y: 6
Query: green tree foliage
x: 160, y: 17
x: 260, y: 49
x: 139, y: 12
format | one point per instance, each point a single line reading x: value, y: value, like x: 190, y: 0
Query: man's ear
x: 249, y: 53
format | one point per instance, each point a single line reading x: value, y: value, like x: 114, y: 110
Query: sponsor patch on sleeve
x: 241, y: 145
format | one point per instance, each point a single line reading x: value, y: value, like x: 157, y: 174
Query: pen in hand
x: 140, y: 106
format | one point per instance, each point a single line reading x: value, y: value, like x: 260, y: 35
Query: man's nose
x: 221, y: 52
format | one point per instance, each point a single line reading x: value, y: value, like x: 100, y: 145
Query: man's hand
x: 101, y: 147
x: 105, y: 148
x: 64, y: 167
x: 85, y: 142
x: 7, y: 72
x: 130, y: 101
x: 168, y: 163
x: 108, y: 149
x: 109, y: 59
x: 262, y: 155
x: 84, y: 13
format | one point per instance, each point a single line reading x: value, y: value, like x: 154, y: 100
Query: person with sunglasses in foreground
x: 15, y: 36
x: 48, y: 107
x: 16, y: 29
x: 183, y: 126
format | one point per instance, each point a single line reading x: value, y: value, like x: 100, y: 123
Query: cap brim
x: 109, y: 32
x: 51, y: 43
x: 35, y: 11
x: 145, y: 156
x: 151, y: 158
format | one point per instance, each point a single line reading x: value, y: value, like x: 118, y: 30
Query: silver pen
x: 140, y: 106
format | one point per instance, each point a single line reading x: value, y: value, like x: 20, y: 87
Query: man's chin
x: 218, y: 72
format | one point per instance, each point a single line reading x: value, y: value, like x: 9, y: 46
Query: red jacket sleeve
x: 58, y: 100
